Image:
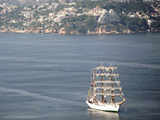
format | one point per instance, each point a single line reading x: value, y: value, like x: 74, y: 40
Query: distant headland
x: 81, y: 17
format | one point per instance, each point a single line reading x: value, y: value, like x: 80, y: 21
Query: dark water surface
x: 46, y: 77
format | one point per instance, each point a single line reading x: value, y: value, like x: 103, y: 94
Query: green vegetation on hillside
x: 97, y: 17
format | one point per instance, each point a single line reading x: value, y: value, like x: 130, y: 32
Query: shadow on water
x: 98, y: 115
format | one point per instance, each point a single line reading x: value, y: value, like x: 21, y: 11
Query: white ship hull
x: 103, y: 107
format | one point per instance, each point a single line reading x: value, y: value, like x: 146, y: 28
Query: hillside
x: 80, y: 17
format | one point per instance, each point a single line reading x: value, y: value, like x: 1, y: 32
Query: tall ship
x: 105, y: 92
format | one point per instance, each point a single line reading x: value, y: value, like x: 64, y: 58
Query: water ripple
x: 38, y: 96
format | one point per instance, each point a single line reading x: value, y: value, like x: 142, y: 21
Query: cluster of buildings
x: 48, y: 17
x: 5, y: 8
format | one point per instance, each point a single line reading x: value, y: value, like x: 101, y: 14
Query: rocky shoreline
x: 62, y: 31
x: 71, y: 33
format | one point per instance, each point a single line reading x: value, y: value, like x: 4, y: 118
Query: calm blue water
x: 46, y: 77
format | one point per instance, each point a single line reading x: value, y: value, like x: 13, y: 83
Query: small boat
x: 105, y: 92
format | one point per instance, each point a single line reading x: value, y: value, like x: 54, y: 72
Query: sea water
x: 47, y: 76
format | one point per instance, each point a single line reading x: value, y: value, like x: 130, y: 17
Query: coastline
x: 63, y: 31
x: 73, y: 32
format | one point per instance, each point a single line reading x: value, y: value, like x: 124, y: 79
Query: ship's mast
x: 112, y: 85
x: 93, y: 84
x: 104, y: 78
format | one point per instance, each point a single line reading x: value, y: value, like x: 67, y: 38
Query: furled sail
x: 105, y: 82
